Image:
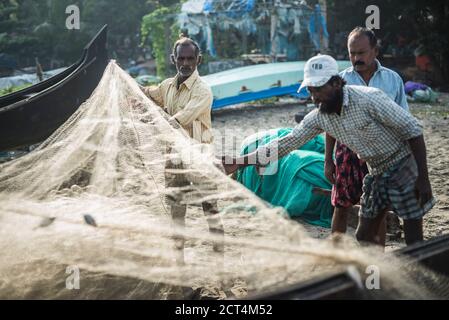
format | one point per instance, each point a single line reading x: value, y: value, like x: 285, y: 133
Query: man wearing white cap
x: 347, y: 171
x: 383, y: 134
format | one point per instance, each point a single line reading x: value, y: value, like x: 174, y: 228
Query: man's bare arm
x: 329, y: 166
x: 329, y: 151
x: 423, y: 188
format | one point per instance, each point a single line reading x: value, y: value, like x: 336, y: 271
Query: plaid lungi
x: 349, y: 174
x: 393, y: 190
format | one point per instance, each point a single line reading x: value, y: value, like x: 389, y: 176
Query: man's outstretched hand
x: 423, y: 190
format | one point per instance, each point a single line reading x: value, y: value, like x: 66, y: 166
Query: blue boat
x: 259, y: 82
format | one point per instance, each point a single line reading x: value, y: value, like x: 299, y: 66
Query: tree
x: 36, y: 28
x: 160, y: 29
x: 13, y: 39
x: 426, y: 22
x: 124, y: 20
x: 8, y: 15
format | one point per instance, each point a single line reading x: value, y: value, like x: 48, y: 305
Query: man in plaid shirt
x: 383, y: 134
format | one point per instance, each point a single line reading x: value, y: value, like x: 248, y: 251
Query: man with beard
x: 348, y: 171
x: 383, y: 134
x: 188, y: 100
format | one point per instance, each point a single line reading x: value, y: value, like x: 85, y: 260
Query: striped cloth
x: 394, y: 190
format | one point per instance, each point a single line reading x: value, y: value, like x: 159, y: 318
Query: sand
x: 232, y: 125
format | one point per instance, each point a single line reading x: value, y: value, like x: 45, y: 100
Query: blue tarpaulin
x: 317, y: 27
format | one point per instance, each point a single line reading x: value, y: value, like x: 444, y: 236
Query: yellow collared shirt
x: 190, y: 105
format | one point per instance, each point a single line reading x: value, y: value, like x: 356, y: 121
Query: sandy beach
x: 234, y: 124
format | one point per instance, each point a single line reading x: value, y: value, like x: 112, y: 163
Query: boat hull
x: 37, y: 112
x: 259, y: 82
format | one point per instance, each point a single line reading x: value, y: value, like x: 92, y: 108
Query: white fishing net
x: 93, y: 197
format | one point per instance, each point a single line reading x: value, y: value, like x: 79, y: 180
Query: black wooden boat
x: 31, y: 115
x: 433, y: 254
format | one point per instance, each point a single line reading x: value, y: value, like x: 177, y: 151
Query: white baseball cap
x: 318, y: 71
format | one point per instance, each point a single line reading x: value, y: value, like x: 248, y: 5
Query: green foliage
x: 160, y: 29
x: 9, y: 90
x: 424, y: 23
x: 8, y: 14
x: 153, y: 29
x: 123, y: 19
x: 8, y: 21
x: 37, y: 28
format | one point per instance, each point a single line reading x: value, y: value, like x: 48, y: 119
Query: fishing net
x: 93, y: 198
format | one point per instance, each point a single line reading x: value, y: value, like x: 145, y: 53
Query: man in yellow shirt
x: 188, y: 100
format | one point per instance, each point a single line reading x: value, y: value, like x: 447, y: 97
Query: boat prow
x: 31, y: 115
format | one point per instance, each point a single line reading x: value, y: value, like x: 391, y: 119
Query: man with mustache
x: 188, y: 100
x: 383, y: 134
x: 348, y: 171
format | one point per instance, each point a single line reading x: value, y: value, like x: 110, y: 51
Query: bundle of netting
x: 93, y: 198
